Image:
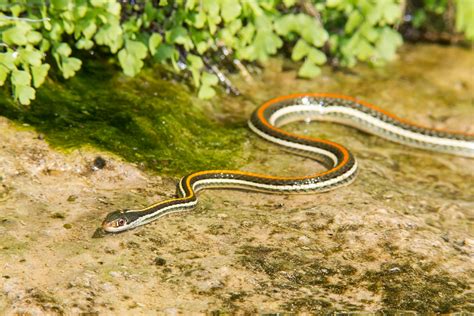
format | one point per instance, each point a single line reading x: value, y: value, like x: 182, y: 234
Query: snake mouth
x: 114, y: 226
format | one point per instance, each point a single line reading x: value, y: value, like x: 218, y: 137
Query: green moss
x: 145, y: 120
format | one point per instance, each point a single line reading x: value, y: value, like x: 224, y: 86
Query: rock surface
x: 398, y: 238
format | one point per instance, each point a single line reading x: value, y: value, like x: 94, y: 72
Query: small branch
x: 14, y: 18
x: 310, y: 10
x: 243, y: 70
x: 222, y: 78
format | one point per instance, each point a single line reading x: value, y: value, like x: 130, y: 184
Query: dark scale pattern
x: 313, y: 143
x: 334, y: 101
x: 319, y: 102
x: 385, y: 118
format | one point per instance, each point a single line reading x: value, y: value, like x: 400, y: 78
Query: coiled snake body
x: 340, y: 163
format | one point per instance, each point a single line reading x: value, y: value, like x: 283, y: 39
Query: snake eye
x: 121, y: 222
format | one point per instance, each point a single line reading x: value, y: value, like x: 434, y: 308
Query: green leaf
x: 130, y: 63
x: 32, y: 57
x: 70, y: 66
x: 110, y: 35
x: 300, y: 50
x: 68, y: 26
x: 464, y: 18
x: 227, y: 37
x: 114, y: 8
x: 209, y: 79
x: 137, y: 49
x: 64, y: 50
x: 45, y: 45
x: 213, y: 16
x: 164, y: 52
x: 364, y: 50
x: 179, y: 35
x: 25, y: 94
x: 7, y: 60
x: 21, y: 78
x: 369, y: 32
x: 190, y: 4
x: 198, y: 20
x: 16, y: 9
x: 80, y: 11
x: 316, y: 56
x: 206, y: 92
x: 16, y: 35
x: 388, y: 43
x: 392, y: 13
x: 311, y: 31
x: 39, y: 74
x: 355, y: 19
x: 195, y: 61
x: 60, y: 4
x: 84, y: 43
x: 333, y: 3
x: 153, y: 42
x: 34, y: 37
x: 90, y: 30
x: 230, y: 9
x: 99, y: 3
x: 56, y: 32
x: 266, y: 41
x: 309, y: 70
x: 45, y: 16
x: 202, y: 47
x: 234, y: 26
x: 286, y: 24
x: 195, y: 65
x: 4, y: 71
x: 246, y: 34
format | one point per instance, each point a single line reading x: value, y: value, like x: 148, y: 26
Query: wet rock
x: 13, y: 290
x: 224, y: 272
x: 304, y: 240
x: 170, y: 311
x: 382, y: 211
x: 87, y: 280
x: 209, y: 285
x: 115, y: 274
x: 107, y: 287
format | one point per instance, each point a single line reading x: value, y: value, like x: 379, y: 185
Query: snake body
x: 339, y: 161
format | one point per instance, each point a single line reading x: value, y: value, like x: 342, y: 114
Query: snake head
x: 117, y: 221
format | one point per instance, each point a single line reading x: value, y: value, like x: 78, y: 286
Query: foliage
x: 465, y: 18
x: 438, y: 16
x: 186, y: 34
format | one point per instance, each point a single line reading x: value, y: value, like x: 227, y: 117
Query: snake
x: 341, y: 166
